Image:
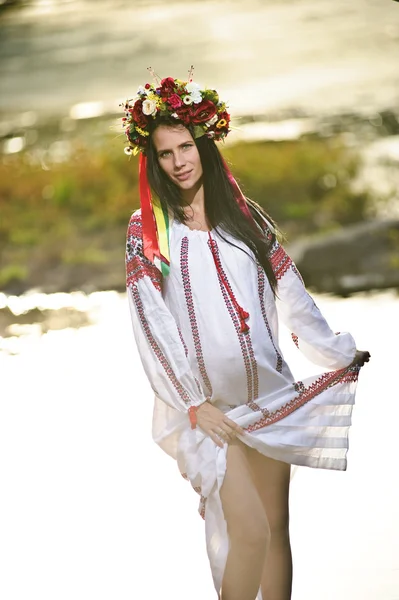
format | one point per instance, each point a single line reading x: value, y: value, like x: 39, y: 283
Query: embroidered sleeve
x: 158, y: 339
x: 298, y: 311
x: 137, y: 265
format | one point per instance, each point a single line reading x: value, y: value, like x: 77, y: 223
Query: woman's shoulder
x: 135, y: 224
x: 134, y: 232
x: 135, y: 216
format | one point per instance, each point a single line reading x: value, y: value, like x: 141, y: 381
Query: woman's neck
x: 194, y: 209
x: 194, y: 199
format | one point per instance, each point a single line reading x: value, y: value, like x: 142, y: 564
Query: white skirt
x: 306, y: 423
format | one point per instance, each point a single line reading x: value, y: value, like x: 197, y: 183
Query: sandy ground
x: 92, y: 509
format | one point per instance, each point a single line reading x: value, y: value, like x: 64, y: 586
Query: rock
x: 357, y: 258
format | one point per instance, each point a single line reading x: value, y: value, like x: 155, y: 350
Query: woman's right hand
x: 216, y: 424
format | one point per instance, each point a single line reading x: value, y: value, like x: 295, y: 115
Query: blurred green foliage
x: 305, y: 185
x: 76, y: 211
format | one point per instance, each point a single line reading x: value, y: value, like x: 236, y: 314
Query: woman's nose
x: 179, y: 160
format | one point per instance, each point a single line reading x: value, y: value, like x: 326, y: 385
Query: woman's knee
x: 252, y: 533
x: 271, y: 479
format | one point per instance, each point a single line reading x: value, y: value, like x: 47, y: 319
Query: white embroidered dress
x: 188, y: 334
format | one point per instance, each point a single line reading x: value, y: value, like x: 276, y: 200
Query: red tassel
x: 243, y: 313
x: 244, y: 327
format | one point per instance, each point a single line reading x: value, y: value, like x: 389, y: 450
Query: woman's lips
x: 183, y: 176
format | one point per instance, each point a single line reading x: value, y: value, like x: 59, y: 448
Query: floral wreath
x: 184, y: 101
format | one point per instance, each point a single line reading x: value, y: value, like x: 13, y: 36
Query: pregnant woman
x: 208, y: 283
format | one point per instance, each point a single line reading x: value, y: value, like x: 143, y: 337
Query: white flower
x: 192, y: 87
x: 187, y: 99
x: 212, y: 121
x: 149, y: 107
x: 196, y: 97
x: 174, y: 115
x: 128, y: 150
x: 141, y: 90
x: 194, y: 91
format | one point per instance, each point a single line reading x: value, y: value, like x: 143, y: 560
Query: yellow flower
x: 154, y: 98
x: 220, y: 124
x: 142, y: 132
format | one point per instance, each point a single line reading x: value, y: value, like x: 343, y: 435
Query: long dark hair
x: 221, y: 207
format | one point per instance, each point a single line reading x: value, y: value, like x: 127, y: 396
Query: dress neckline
x: 184, y: 226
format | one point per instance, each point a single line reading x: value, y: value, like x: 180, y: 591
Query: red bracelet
x: 192, y: 413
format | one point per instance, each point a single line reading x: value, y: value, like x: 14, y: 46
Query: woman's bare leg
x: 247, y: 527
x: 272, y: 480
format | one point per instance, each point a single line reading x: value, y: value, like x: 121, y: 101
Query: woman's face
x: 178, y: 155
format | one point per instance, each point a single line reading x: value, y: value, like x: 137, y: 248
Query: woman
x: 207, y: 284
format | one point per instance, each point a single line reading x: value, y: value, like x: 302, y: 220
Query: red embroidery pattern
x: 349, y: 374
x: 236, y: 323
x: 267, y: 231
x: 191, y: 312
x: 297, y: 273
x: 254, y: 365
x: 295, y: 339
x: 137, y: 265
x: 299, y: 387
x: 202, y: 506
x: 156, y: 349
x: 256, y: 408
x: 280, y: 260
x: 182, y: 341
x: 261, y: 291
x: 251, y: 367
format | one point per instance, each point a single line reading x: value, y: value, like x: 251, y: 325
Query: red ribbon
x: 239, y: 196
x: 150, y: 238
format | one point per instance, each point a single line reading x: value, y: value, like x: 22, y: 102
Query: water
x: 263, y: 56
x: 91, y: 508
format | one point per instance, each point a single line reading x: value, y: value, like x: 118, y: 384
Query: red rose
x: 202, y: 112
x: 184, y: 113
x: 167, y: 87
x: 138, y: 115
x: 175, y: 101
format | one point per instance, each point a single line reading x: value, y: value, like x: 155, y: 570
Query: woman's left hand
x: 361, y: 357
